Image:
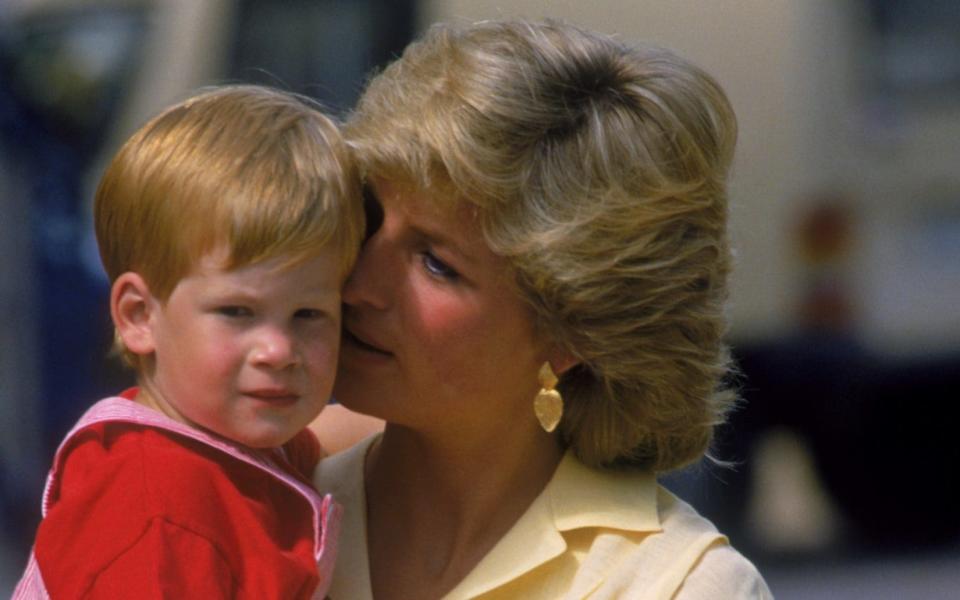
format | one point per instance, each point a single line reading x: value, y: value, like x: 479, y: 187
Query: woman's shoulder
x: 722, y: 572
x: 615, y: 534
x: 716, y: 569
x: 648, y: 543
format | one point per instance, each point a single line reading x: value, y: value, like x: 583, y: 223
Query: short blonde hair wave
x: 599, y: 171
x: 261, y: 170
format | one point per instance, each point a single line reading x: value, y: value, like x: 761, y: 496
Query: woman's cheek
x: 445, y: 318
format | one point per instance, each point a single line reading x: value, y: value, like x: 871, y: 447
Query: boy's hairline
x: 289, y: 260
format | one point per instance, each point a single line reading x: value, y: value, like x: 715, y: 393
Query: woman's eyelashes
x: 437, y: 268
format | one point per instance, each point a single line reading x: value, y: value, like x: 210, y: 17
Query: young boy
x: 227, y: 225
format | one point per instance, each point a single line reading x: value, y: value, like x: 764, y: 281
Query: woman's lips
x: 358, y: 342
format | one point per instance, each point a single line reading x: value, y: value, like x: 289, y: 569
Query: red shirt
x: 140, y: 511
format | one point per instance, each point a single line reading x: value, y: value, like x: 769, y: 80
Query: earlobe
x: 561, y: 360
x: 132, y: 307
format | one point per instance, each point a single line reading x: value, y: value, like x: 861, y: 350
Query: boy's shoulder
x: 118, y: 484
x: 153, y: 473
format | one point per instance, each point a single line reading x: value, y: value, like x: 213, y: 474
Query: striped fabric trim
x: 31, y: 585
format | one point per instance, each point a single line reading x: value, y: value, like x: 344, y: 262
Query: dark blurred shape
x: 881, y: 426
x: 321, y: 48
x: 914, y: 48
x: 63, y: 75
x: 882, y: 431
x: 66, y: 72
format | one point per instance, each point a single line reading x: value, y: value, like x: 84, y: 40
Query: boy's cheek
x: 324, y: 342
x: 324, y: 359
x: 323, y: 368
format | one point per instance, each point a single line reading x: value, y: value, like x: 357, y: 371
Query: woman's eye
x: 234, y: 311
x: 437, y: 267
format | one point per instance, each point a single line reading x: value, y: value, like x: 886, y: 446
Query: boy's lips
x: 273, y: 395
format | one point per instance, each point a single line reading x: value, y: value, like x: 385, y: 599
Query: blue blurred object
x: 62, y: 75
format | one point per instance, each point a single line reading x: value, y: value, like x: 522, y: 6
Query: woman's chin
x: 358, y: 396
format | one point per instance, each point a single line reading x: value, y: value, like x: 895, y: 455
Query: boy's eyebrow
x: 252, y: 291
x: 328, y: 288
x: 245, y: 295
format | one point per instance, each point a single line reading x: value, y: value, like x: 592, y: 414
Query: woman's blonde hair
x: 598, y: 170
x: 261, y: 170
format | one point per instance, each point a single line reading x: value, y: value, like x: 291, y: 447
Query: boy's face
x: 249, y: 354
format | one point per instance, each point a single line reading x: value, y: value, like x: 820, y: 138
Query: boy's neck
x: 150, y: 399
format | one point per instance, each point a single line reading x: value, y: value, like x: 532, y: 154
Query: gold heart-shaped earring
x: 548, y: 405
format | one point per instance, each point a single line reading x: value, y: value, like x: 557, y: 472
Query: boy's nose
x: 275, y: 349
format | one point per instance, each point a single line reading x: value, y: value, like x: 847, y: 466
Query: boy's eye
x: 234, y: 311
x: 308, y: 313
x: 438, y: 268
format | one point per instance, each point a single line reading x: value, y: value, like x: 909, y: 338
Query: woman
x: 544, y: 202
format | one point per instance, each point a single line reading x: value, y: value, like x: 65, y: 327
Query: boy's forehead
x: 217, y: 257
x: 316, y: 268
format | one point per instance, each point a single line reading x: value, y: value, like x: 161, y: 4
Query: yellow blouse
x: 589, y: 534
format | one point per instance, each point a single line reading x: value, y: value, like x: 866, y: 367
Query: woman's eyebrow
x: 418, y: 222
x: 436, y: 235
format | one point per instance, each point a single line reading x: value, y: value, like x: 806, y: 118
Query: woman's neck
x: 437, y: 504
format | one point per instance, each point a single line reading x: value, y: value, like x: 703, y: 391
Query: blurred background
x: 846, y: 218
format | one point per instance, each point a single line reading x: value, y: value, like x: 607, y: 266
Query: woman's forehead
x: 429, y: 212
x: 439, y: 204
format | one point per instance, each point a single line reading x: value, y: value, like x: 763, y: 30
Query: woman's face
x: 435, y: 336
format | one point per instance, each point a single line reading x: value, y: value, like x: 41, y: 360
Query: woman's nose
x: 368, y: 284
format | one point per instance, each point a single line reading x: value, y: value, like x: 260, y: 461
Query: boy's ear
x: 132, y: 308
